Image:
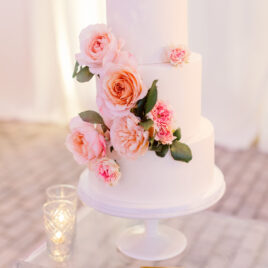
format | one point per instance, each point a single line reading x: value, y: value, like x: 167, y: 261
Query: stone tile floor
x: 33, y: 157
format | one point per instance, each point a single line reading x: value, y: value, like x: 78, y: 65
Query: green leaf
x: 181, y: 151
x: 147, y: 124
x: 146, y: 104
x: 163, y: 151
x: 138, y: 110
x: 151, y: 97
x: 177, y: 134
x: 151, y: 142
x: 140, y: 107
x: 92, y: 117
x: 75, y: 69
x: 104, y: 127
x: 156, y: 146
x: 84, y: 75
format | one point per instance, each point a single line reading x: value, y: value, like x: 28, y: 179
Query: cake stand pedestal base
x: 151, y: 242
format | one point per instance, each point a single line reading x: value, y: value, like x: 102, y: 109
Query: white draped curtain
x: 39, y: 40
x: 232, y: 36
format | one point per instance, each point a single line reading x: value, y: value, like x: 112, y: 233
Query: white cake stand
x: 151, y: 241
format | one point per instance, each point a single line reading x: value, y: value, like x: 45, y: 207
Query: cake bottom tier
x: 154, y: 181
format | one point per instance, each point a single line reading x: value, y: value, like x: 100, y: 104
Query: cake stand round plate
x: 152, y: 242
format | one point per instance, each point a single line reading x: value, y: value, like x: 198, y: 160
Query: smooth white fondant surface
x: 142, y: 211
x: 148, y: 26
x: 154, y: 181
x: 181, y: 87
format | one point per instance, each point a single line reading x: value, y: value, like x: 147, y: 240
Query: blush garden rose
x: 84, y: 141
x: 98, y: 45
x: 128, y: 138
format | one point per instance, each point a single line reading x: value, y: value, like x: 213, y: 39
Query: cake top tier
x: 149, y: 26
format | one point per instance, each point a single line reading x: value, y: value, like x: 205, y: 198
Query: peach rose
x: 178, y: 55
x: 128, y: 138
x: 119, y: 88
x: 97, y: 47
x: 107, y: 170
x: 84, y: 141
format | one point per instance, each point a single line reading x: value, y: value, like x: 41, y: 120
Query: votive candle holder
x: 59, y: 222
x: 62, y: 192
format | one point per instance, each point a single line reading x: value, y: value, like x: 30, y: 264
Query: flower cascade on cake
x: 131, y: 119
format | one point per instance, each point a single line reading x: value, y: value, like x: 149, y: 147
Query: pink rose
x: 84, y: 141
x: 107, y: 170
x: 164, y: 134
x: 161, y: 113
x: 128, y: 138
x: 119, y: 88
x: 97, y: 47
x: 178, y: 55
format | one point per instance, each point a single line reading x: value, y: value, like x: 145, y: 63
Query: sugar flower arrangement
x: 131, y: 120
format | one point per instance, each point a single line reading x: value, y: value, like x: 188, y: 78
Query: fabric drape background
x: 232, y: 36
x: 39, y: 40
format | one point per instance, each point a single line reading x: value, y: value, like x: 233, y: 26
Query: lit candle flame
x: 58, y: 238
x: 61, y: 217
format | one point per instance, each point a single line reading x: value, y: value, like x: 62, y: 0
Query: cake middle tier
x: 180, y: 87
x: 148, y: 27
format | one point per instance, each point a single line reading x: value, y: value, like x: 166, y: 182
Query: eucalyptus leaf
x: 151, y: 97
x: 92, y: 117
x: 147, y: 124
x: 181, y: 151
x: 84, y: 75
x: 75, y: 69
x: 177, y: 134
x: 163, y: 151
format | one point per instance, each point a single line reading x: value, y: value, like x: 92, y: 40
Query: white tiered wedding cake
x: 155, y: 33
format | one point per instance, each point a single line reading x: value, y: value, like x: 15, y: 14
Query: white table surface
x: 215, y: 241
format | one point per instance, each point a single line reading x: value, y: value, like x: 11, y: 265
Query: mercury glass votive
x: 62, y: 192
x: 59, y: 222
